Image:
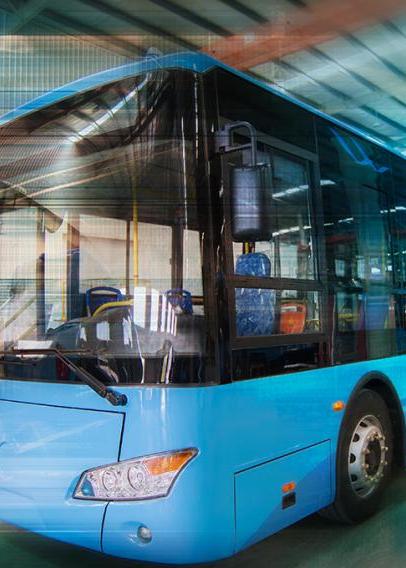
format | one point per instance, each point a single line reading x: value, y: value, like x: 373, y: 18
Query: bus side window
x: 288, y: 254
x: 290, y: 247
x: 356, y: 226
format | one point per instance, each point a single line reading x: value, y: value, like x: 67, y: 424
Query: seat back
x: 293, y: 315
x: 180, y: 298
x: 99, y: 295
x: 255, y: 307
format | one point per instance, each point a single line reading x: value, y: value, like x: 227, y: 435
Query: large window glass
x: 288, y: 254
x: 266, y: 111
x: 102, y: 226
x: 398, y: 223
x: 355, y: 180
x: 290, y: 246
x: 273, y: 289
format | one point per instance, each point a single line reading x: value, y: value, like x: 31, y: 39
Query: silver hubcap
x: 367, y: 456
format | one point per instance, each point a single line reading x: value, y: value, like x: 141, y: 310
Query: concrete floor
x: 312, y: 543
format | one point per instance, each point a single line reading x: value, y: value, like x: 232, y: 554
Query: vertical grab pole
x: 135, y: 242
x: 127, y: 256
x: 73, y: 265
x: 40, y: 273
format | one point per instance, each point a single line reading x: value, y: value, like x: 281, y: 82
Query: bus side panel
x: 235, y: 427
x: 264, y: 501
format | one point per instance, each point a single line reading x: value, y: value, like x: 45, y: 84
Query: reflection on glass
x: 271, y: 360
x: 100, y: 235
x: 358, y: 249
x: 290, y: 249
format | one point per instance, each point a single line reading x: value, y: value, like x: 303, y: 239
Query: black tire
x: 354, y: 501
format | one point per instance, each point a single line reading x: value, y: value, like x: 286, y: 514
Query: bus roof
x: 198, y: 62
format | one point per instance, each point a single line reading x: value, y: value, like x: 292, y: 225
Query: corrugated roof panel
x: 386, y: 43
x: 119, y: 24
x: 369, y: 122
x: 298, y: 84
x: 328, y: 72
x: 389, y: 108
x: 277, y: 9
x: 400, y: 23
x: 218, y: 13
x: 364, y: 64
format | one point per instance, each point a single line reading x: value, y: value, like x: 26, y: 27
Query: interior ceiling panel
x: 345, y: 57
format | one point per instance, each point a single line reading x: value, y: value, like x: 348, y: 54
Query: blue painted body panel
x: 258, y: 514
x: 44, y: 449
x: 235, y: 427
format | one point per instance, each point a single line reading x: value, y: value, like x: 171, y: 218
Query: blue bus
x: 202, y: 313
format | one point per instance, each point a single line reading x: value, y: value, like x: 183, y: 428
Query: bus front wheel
x: 364, y: 459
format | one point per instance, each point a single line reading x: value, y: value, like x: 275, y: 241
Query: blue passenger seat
x: 255, y: 307
x: 96, y: 297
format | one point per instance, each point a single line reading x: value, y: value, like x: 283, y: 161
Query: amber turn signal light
x: 288, y: 487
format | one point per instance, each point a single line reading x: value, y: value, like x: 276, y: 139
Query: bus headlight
x: 141, y: 478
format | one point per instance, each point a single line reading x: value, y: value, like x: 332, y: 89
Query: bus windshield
x: 101, y: 234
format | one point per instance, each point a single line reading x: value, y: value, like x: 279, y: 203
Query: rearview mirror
x: 250, y: 188
x: 251, y: 203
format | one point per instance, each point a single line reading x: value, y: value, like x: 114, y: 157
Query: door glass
x: 290, y: 249
x: 267, y: 312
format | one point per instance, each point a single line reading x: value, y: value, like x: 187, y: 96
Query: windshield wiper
x: 115, y: 398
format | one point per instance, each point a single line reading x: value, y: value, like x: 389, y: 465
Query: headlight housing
x: 146, y: 477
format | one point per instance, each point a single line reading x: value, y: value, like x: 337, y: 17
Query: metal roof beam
x: 321, y: 21
x: 191, y: 17
x: 55, y: 21
x: 245, y: 11
x: 19, y: 18
x: 344, y: 98
x: 131, y: 20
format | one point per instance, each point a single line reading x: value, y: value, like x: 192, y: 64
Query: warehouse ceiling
x: 346, y: 57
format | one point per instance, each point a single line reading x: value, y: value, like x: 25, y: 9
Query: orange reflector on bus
x: 288, y: 487
x: 338, y: 405
x: 169, y: 462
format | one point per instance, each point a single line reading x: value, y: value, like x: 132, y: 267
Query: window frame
x: 318, y: 284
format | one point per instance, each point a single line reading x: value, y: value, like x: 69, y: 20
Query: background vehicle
x: 225, y: 269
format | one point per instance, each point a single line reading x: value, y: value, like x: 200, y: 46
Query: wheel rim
x: 367, y: 456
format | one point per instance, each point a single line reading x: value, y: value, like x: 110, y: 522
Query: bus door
x: 274, y: 283
x: 276, y: 300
